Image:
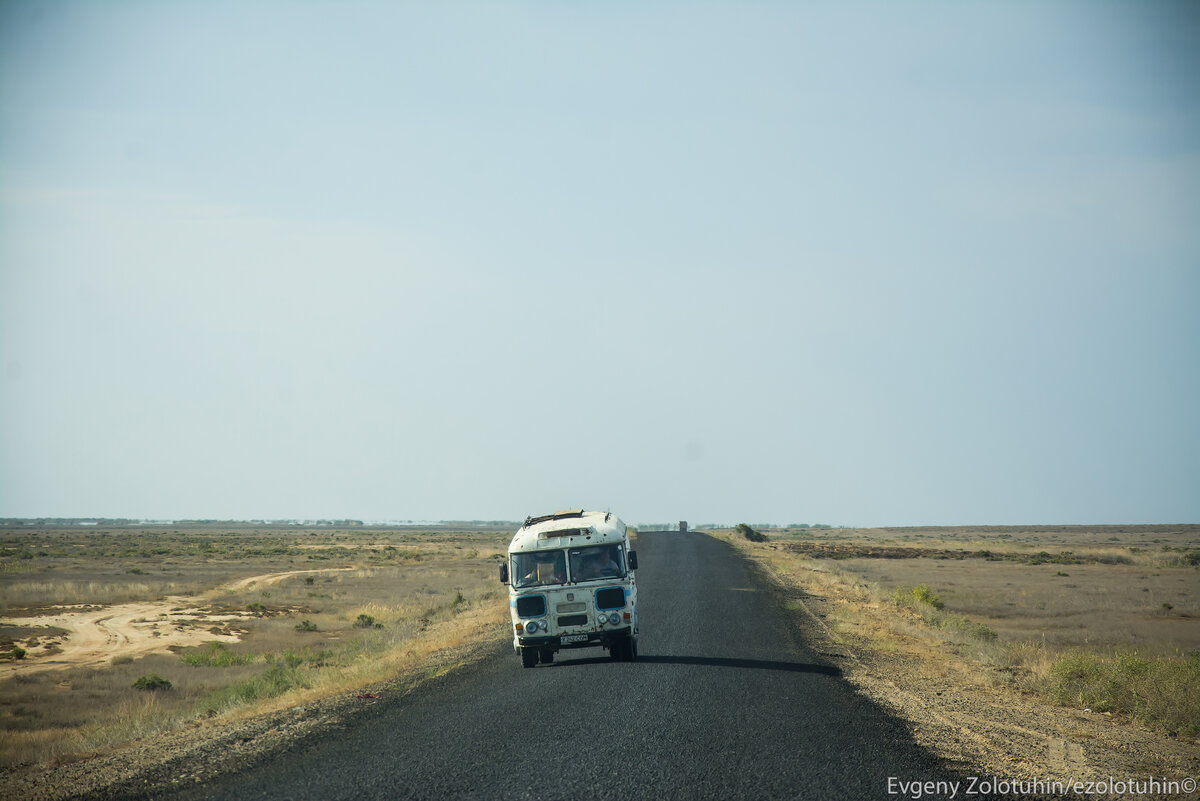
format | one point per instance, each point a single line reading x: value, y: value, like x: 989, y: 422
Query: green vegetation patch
x: 286, y: 671
x: 152, y: 682
x: 964, y: 625
x: 1188, y: 559
x: 921, y: 594
x: 215, y: 654
x: 1163, y: 692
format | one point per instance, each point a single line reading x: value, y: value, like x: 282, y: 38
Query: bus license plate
x: 573, y: 638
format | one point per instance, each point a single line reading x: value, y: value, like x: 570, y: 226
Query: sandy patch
x: 96, y: 635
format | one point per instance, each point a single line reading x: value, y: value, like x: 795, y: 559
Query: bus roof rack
x: 530, y: 521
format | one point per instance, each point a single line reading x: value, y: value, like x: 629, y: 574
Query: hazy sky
x: 780, y: 262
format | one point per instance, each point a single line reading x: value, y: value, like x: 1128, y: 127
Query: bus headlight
x: 614, y: 619
x: 531, y: 627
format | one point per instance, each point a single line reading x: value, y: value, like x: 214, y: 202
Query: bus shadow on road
x: 722, y: 661
x: 733, y: 662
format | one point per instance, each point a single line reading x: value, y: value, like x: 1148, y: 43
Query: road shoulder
x: 977, y: 723
x: 204, y: 750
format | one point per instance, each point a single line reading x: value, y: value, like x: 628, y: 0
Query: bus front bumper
x: 582, y: 639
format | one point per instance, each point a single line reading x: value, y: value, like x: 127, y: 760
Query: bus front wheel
x: 529, y: 657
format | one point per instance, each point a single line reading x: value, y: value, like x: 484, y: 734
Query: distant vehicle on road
x: 572, y: 585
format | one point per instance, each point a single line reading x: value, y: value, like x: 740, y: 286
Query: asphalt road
x: 723, y: 703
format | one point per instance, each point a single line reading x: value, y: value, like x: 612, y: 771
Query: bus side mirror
x: 503, y: 574
x: 633, y: 560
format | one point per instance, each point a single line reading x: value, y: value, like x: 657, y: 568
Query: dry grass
x: 37, y: 593
x: 1117, y: 632
x: 430, y: 592
x: 1092, y: 605
x: 38, y: 745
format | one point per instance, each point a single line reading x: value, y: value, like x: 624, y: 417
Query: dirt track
x: 275, y: 578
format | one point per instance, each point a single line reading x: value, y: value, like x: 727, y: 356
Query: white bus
x: 571, y: 584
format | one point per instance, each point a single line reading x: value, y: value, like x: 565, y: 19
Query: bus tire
x: 529, y: 657
x: 622, y: 651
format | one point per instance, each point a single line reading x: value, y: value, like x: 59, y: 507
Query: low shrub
x: 966, y: 626
x: 924, y: 595
x: 982, y: 631
x: 152, y: 682
x: 749, y: 533
x: 306, y: 625
x: 367, y: 622
x: 920, y: 594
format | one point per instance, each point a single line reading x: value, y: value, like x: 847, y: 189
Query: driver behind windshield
x: 600, y: 564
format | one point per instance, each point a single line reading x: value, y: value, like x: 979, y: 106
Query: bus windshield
x: 597, y: 562
x: 538, y: 568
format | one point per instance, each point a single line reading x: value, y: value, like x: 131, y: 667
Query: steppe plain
x: 1035, y: 651
x: 237, y: 618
